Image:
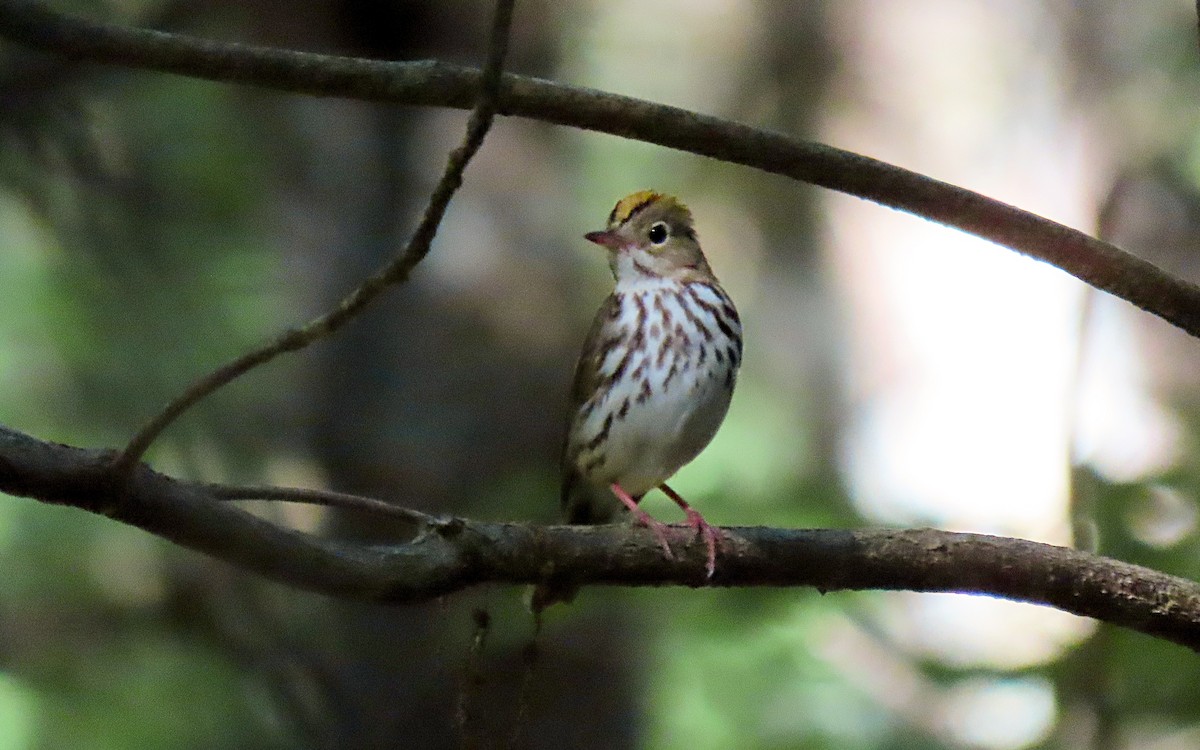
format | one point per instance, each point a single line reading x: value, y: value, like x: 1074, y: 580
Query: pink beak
x: 607, y: 238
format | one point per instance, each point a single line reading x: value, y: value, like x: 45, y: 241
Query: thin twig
x: 392, y: 273
x: 326, y: 498
x: 472, y: 679
x: 530, y: 655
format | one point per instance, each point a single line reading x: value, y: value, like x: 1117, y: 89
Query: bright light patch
x: 1000, y: 714
x: 18, y: 714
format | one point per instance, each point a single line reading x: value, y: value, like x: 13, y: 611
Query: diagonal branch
x: 392, y: 273
x: 429, y: 83
x: 325, y: 498
x: 451, y: 555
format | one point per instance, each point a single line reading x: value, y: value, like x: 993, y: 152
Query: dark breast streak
x: 657, y: 342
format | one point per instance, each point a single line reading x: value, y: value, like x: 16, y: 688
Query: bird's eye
x: 658, y: 233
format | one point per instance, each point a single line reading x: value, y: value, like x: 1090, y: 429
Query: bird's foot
x: 711, y: 536
x: 642, y: 518
x: 706, y: 531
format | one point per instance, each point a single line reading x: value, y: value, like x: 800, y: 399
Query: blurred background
x: 897, y: 373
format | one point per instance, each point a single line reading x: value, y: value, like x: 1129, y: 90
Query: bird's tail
x: 582, y: 505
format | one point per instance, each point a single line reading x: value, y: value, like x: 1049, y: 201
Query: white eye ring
x: 659, y: 232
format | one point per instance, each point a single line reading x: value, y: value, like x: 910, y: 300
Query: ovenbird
x: 657, y: 370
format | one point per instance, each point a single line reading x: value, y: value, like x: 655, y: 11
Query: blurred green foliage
x: 140, y: 221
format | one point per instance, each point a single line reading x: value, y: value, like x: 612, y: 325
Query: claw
x: 642, y: 518
x: 709, y: 533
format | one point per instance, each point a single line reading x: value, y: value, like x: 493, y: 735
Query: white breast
x: 670, y: 393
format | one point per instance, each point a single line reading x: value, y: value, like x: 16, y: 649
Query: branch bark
x: 430, y: 83
x: 452, y: 554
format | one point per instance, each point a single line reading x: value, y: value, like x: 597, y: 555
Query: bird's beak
x: 607, y: 238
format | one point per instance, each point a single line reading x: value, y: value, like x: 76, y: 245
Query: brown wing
x: 578, y: 501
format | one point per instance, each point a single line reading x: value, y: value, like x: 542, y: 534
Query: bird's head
x: 650, y: 235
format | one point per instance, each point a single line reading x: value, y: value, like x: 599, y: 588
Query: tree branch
x: 429, y: 83
x: 395, y: 271
x: 325, y: 498
x: 450, y: 555
x: 453, y: 554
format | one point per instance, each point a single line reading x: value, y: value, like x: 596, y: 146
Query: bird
x: 656, y: 373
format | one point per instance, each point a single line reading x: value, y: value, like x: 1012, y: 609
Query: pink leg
x: 642, y: 518
x: 711, y: 534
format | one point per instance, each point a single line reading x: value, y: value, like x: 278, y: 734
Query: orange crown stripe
x: 632, y: 203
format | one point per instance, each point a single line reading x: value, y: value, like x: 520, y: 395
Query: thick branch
x: 1097, y: 263
x: 454, y: 554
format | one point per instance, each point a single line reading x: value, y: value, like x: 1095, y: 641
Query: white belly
x: 665, y: 433
x: 666, y: 403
